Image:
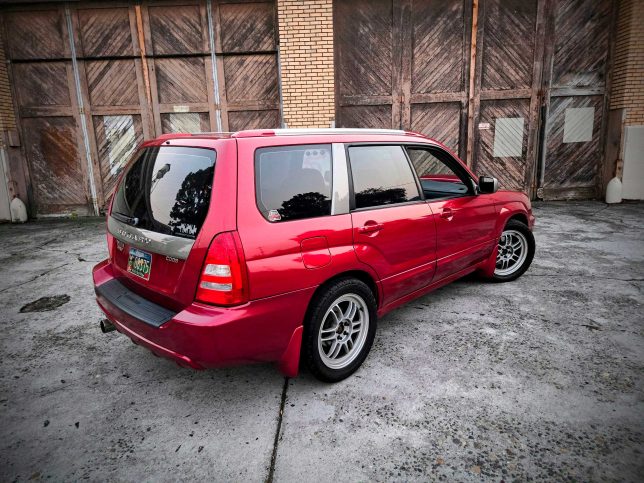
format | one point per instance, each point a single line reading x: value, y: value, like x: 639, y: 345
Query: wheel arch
x: 361, y: 275
x: 522, y: 217
x: 511, y: 211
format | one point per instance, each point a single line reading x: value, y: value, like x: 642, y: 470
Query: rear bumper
x: 202, y: 336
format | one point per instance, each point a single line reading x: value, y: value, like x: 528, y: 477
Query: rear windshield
x: 167, y: 190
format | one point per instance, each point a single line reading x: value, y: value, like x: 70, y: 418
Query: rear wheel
x: 340, y: 330
x: 515, y: 252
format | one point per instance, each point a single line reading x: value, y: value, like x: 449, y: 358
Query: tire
x: 515, y: 234
x: 334, y: 326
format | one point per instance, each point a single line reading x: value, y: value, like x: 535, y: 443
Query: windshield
x: 167, y: 190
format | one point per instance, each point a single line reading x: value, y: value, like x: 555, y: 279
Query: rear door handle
x: 447, y: 213
x: 371, y: 227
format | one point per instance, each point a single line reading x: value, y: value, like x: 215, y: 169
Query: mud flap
x: 289, y: 363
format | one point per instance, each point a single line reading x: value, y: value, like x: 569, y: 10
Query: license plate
x: 139, y: 263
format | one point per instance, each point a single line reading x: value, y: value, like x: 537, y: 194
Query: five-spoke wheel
x: 515, y: 251
x: 340, y: 329
x: 343, y: 331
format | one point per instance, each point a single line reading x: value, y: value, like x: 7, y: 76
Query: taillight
x: 223, y: 278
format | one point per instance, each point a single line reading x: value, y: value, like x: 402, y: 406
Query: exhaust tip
x: 106, y: 326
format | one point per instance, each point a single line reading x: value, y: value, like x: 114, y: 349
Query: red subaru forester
x: 287, y: 245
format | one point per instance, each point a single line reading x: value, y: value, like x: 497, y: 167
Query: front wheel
x: 515, y: 252
x: 340, y: 330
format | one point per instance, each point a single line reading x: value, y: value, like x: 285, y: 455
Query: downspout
x: 213, y: 61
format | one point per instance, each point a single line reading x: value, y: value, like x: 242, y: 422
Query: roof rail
x: 290, y: 132
x: 316, y: 131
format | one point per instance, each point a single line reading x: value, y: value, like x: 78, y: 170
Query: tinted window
x: 381, y: 176
x: 437, y: 178
x: 293, y: 182
x: 167, y: 190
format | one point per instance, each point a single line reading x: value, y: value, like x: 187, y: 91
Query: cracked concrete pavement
x: 539, y: 379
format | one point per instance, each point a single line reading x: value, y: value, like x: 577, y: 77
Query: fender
x: 509, y: 209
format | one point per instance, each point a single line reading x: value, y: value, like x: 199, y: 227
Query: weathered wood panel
x: 366, y: 116
x: 508, y: 46
x: 505, y: 98
x: 181, y: 80
x: 581, y: 43
x: 253, y: 119
x: 251, y: 78
x: 57, y: 176
x: 35, y: 34
x: 176, y: 29
x: 576, y: 100
x: 440, y: 121
x: 105, y: 32
x: 41, y: 84
x: 509, y: 169
x: 247, y: 27
x: 112, y: 82
x: 364, y: 36
x: 367, y: 72
x: 403, y: 58
x: 190, y: 122
x: 572, y: 163
x: 434, y: 98
x: 437, y: 57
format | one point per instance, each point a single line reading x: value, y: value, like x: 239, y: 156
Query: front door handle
x: 370, y: 227
x: 447, y: 213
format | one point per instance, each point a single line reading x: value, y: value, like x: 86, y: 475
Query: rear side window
x: 167, y: 190
x: 381, y: 176
x: 293, y: 182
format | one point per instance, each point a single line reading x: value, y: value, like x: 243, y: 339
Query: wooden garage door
x: 540, y: 65
x: 509, y: 52
x: 403, y: 64
x: 141, y: 70
x: 576, y: 98
x: 118, y: 116
x: 37, y: 43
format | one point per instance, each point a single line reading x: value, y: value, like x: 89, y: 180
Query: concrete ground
x: 539, y: 379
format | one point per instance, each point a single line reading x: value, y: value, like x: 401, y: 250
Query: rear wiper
x: 130, y: 220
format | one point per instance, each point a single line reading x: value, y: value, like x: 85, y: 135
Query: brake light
x: 223, y: 278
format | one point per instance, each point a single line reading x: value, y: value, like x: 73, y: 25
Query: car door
x: 393, y: 228
x: 464, y: 220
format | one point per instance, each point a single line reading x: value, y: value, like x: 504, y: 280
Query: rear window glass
x: 293, y: 182
x: 381, y: 176
x: 167, y: 190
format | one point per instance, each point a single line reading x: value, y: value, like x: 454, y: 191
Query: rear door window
x: 381, y: 176
x: 167, y: 190
x: 293, y: 182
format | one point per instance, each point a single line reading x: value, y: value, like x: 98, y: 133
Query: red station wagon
x: 287, y: 245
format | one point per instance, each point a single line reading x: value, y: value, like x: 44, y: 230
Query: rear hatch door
x: 156, y: 219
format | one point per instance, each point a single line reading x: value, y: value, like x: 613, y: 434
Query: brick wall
x: 628, y: 73
x: 306, y: 53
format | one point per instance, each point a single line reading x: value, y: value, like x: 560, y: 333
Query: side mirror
x: 488, y: 184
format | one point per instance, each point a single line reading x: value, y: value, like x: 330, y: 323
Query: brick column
x: 628, y: 70
x: 306, y: 61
